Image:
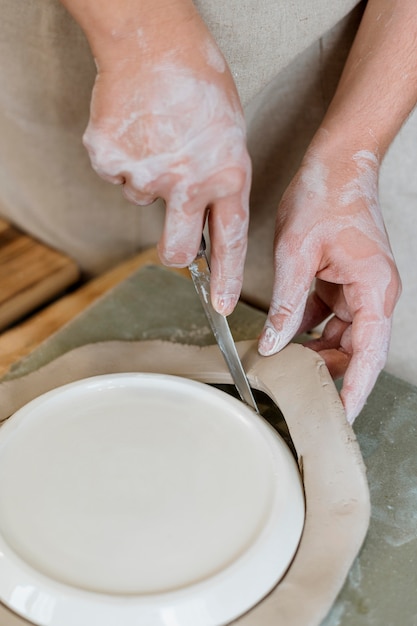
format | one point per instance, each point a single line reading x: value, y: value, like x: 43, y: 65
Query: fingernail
x: 225, y: 304
x: 352, y: 408
x: 350, y: 419
x: 269, y: 341
x: 350, y: 415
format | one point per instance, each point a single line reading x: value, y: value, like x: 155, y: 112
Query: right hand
x: 166, y: 122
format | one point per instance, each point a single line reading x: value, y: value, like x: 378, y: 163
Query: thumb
x: 291, y: 288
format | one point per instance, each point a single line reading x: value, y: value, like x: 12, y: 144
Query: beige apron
x: 47, y: 186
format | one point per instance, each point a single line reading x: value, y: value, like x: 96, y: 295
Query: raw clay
x: 296, y: 379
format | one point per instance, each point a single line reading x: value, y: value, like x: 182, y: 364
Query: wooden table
x: 53, y: 273
x: 31, y: 274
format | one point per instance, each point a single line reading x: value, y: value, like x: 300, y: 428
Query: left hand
x: 330, y: 227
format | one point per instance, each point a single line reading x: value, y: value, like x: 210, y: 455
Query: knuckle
x: 87, y: 140
x: 230, y: 252
x: 92, y: 139
x: 230, y: 181
x: 98, y: 150
x: 174, y: 257
x: 230, y: 281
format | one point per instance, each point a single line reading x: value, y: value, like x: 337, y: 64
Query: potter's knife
x: 200, y: 273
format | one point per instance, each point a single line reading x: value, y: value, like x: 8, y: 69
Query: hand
x: 329, y: 226
x: 166, y: 122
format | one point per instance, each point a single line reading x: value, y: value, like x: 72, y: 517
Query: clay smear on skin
x: 365, y: 186
x: 214, y: 57
x: 312, y: 193
x: 188, y: 116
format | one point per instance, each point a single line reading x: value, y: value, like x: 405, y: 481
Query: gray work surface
x: 381, y: 589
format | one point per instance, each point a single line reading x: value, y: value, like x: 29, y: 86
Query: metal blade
x: 200, y: 273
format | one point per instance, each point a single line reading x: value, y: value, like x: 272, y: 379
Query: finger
x: 335, y: 334
x: 326, y: 298
x: 316, y: 311
x: 336, y: 361
x: 228, y: 224
x: 370, y: 342
x: 181, y: 236
x: 370, y: 333
x: 294, y: 273
x: 137, y: 197
x: 331, y: 336
x: 282, y: 322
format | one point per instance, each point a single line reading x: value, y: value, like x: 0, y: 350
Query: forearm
x: 378, y: 87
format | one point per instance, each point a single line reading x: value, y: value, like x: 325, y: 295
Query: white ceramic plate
x: 148, y: 499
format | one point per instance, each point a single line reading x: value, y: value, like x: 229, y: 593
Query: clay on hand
x: 329, y: 227
x: 166, y: 122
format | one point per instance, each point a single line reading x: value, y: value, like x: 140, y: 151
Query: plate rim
x: 127, y: 606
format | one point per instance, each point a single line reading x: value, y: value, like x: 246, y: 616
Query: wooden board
x: 23, y: 338
x: 31, y: 274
